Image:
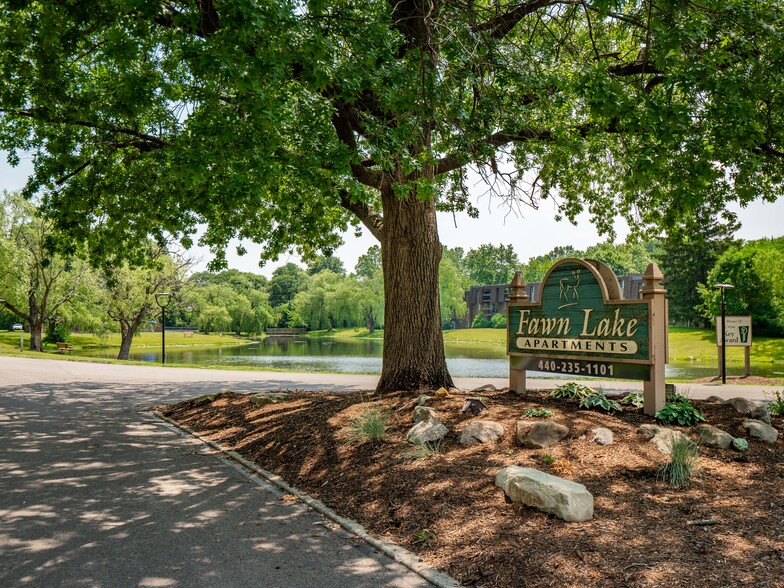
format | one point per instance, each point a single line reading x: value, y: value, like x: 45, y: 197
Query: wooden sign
x: 583, y: 326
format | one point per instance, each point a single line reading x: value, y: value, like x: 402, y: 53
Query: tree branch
x: 373, y: 220
x: 501, y: 25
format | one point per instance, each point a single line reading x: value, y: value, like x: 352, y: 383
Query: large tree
x: 283, y: 121
x: 491, y: 264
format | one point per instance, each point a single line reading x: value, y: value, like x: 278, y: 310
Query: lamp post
x: 723, y: 288
x: 163, y: 299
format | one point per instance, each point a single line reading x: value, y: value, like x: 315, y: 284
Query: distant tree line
x: 56, y: 294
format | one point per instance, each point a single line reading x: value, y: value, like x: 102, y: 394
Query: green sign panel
x: 574, y: 319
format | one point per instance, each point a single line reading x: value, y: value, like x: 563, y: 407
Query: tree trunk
x: 37, y: 336
x: 410, y: 251
x: 126, y: 337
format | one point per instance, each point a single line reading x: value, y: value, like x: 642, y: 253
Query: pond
x: 363, y: 356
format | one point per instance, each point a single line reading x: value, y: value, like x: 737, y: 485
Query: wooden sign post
x: 582, y: 326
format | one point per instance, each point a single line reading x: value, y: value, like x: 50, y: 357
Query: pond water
x: 363, y: 356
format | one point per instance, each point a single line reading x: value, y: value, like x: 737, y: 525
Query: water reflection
x: 363, y: 356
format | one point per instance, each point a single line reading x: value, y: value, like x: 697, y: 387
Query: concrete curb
x: 395, y: 552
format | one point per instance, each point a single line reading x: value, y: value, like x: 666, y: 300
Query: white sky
x: 534, y: 233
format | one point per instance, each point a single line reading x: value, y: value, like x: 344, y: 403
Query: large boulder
x: 563, y: 498
x: 761, y: 413
x: 480, y: 432
x: 743, y: 405
x: 427, y: 431
x: 662, y: 437
x: 538, y: 435
x: 714, y: 437
x: 760, y: 431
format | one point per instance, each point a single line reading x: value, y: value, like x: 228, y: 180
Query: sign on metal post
x: 582, y: 326
x: 737, y: 333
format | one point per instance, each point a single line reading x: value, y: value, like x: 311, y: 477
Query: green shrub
x: 600, y: 401
x: 424, y: 536
x: 498, y: 321
x: 777, y: 406
x: 548, y: 459
x: 678, y: 472
x: 369, y: 426
x: 480, y: 322
x: 634, y: 399
x: 572, y: 391
x: 538, y: 412
x: 679, y: 413
x: 57, y: 333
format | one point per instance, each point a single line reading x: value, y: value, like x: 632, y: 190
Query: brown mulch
x: 447, y: 509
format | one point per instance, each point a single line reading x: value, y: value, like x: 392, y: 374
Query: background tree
x: 756, y: 269
x: 243, y: 296
x: 285, y: 283
x: 491, y: 264
x: 452, y: 285
x: 369, y: 264
x: 34, y: 283
x: 326, y: 262
x: 688, y: 253
x: 536, y: 267
x: 623, y: 258
x: 128, y: 294
x: 283, y: 123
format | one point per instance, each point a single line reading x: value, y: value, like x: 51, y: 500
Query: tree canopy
x: 284, y: 122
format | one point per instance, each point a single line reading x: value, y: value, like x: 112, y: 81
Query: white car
x: 16, y: 327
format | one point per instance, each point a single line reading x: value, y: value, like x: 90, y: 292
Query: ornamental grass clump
x: 777, y: 406
x: 370, y: 426
x: 679, y: 471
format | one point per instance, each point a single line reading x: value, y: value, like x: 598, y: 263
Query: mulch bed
x: 447, y: 509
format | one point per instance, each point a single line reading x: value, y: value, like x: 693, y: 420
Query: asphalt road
x: 97, y: 492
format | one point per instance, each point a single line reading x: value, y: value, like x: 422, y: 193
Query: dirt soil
x: 726, y: 529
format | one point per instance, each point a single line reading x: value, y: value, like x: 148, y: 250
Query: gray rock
x: 761, y: 431
x: 761, y: 413
x: 422, y: 399
x: 424, y: 413
x: 427, y: 431
x: 743, y: 405
x: 662, y: 437
x: 714, y: 399
x: 714, y: 437
x: 565, y: 499
x: 602, y: 436
x: 538, y: 435
x: 480, y: 432
x: 264, y: 398
x: 740, y: 444
x: 485, y: 388
x: 205, y: 399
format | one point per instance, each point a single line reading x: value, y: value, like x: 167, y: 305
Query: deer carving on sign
x: 569, y: 286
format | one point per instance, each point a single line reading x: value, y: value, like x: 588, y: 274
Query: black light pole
x: 723, y: 288
x: 163, y: 299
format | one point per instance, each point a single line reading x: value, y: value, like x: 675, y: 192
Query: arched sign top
x: 574, y: 278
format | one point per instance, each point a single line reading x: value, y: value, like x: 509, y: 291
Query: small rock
x: 602, y: 436
x: 441, y: 393
x: 427, y: 431
x: 761, y: 431
x: 565, y: 499
x: 424, y: 413
x: 485, y: 388
x: 480, y: 432
x: 714, y: 437
x: 264, y: 398
x: 761, y: 413
x: 740, y: 444
x: 714, y: 399
x: 661, y: 437
x: 474, y: 405
x: 206, y: 399
x: 422, y: 399
x: 454, y: 390
x: 538, y: 435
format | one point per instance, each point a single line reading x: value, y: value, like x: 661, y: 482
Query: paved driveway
x: 96, y: 492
